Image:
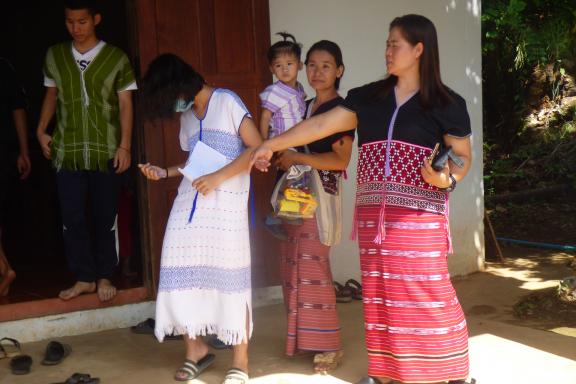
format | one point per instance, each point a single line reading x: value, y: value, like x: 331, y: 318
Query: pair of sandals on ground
x: 54, y: 354
x: 21, y: 364
x: 352, y: 289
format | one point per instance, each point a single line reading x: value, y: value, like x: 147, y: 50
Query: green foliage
x: 529, y: 50
x: 532, y: 31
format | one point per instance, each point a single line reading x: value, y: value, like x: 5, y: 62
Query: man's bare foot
x: 77, y: 289
x: 106, y: 291
x: 5, y: 281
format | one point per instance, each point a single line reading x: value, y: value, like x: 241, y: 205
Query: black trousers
x: 86, y: 260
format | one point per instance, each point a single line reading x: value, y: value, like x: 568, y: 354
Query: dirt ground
x: 551, y: 221
x: 538, y: 306
x: 503, y: 349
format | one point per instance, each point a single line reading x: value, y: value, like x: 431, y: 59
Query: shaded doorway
x: 32, y: 228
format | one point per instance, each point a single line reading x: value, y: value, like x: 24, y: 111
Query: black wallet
x: 439, y: 161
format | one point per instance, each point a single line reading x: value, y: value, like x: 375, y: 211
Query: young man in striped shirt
x: 89, y: 87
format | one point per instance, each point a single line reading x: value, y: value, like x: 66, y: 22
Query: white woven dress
x: 205, y: 285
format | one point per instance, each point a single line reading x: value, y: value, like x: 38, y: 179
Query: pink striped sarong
x: 308, y: 291
x: 415, y: 328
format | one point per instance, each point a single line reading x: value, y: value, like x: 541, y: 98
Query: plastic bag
x: 293, y: 196
x: 329, y: 211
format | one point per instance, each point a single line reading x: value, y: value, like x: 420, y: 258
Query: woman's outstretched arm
x: 338, y: 119
x: 335, y: 160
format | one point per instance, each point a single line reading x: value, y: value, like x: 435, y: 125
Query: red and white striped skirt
x: 415, y: 328
x: 308, y: 291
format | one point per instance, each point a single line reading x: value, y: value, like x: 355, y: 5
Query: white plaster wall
x: 360, y: 27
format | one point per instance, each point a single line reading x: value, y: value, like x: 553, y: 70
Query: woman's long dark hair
x: 333, y: 49
x: 167, y: 79
x: 419, y: 29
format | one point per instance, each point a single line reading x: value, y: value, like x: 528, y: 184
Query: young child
x: 283, y: 103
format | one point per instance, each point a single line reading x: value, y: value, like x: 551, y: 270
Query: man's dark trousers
x: 89, y: 262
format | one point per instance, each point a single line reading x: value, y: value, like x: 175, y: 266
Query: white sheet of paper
x: 202, y: 161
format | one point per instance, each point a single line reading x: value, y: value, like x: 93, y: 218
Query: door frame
x: 152, y: 199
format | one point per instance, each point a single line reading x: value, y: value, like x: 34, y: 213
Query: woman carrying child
x: 205, y: 265
x: 414, y: 325
x: 307, y: 279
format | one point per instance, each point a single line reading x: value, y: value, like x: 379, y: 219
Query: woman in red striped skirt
x: 309, y: 297
x: 415, y: 328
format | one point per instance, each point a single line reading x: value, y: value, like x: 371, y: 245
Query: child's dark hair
x: 90, y: 5
x: 333, y: 49
x: 284, y: 47
x: 167, y: 79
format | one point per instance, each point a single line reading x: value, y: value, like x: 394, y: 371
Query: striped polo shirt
x: 286, y: 104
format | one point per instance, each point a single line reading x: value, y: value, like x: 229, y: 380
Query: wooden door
x: 226, y: 41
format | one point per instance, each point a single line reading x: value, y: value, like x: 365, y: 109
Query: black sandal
x: 369, y: 380
x: 9, y: 347
x: 192, y: 370
x: 214, y: 342
x: 21, y: 365
x: 343, y: 294
x: 55, y: 353
x: 146, y: 327
x: 356, y: 288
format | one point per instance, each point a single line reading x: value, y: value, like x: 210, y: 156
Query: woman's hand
x: 153, y: 172
x: 260, y: 158
x: 207, y: 183
x: 438, y: 179
x: 285, y: 159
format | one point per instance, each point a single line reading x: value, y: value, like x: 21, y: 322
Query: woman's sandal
x: 21, y: 365
x: 236, y: 376
x: 355, y: 288
x: 82, y: 378
x: 343, y: 294
x: 55, y: 353
x: 369, y: 380
x: 146, y: 327
x: 325, y: 362
x: 9, y: 347
x: 191, y: 370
